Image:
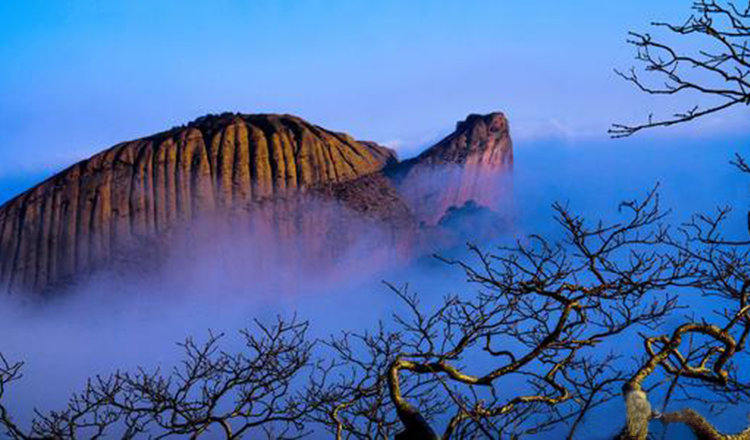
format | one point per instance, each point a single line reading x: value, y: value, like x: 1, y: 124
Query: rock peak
x: 495, y: 120
x: 478, y: 139
x: 101, y: 209
x: 464, y: 166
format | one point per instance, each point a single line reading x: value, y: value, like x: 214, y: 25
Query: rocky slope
x: 274, y: 171
x: 465, y: 165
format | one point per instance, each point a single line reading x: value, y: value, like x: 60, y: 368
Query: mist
x: 219, y: 279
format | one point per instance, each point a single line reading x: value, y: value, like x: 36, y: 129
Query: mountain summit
x: 263, y: 168
x: 464, y: 166
x: 479, y: 139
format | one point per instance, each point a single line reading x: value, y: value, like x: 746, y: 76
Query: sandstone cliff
x: 79, y: 218
x: 266, y: 168
x: 466, y: 165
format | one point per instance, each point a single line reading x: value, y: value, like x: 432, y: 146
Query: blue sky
x: 78, y: 77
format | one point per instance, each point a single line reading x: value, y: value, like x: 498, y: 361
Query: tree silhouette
x: 530, y: 348
x: 715, y: 64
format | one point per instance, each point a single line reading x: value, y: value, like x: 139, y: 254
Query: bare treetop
x: 720, y: 68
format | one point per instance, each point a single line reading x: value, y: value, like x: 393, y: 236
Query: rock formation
x: 467, y: 165
x: 266, y: 168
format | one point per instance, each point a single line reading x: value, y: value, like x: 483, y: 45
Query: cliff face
x: 271, y: 171
x: 466, y: 165
x: 79, y: 219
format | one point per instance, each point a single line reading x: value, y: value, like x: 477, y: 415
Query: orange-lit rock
x: 264, y: 170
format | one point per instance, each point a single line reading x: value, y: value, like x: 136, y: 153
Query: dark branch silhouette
x: 535, y: 325
x: 521, y: 354
x: 718, y: 69
x: 212, y: 391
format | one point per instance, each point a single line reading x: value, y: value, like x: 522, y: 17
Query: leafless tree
x: 705, y: 351
x: 212, y: 391
x: 536, y: 345
x: 712, y: 60
x: 530, y: 351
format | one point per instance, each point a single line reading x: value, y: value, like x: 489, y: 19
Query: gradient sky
x: 80, y: 76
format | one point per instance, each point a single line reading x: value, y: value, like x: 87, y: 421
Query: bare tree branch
x: 720, y: 70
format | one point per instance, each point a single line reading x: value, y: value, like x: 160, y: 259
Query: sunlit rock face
x: 469, y: 164
x: 276, y: 182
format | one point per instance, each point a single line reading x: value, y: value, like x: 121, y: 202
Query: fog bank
x: 115, y: 323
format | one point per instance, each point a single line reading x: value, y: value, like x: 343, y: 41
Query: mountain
x: 279, y: 174
x: 462, y: 167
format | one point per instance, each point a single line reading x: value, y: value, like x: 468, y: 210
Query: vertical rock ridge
x: 84, y: 217
x: 241, y: 180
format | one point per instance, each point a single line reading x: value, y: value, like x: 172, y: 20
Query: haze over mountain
x: 290, y: 181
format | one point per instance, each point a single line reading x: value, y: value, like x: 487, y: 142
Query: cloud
x: 555, y: 129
